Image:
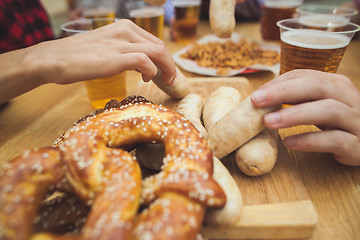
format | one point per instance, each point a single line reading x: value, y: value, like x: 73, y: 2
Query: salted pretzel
x: 87, y: 161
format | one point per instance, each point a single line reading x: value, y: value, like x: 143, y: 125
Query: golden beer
x: 330, y: 24
x: 186, y: 20
x: 104, y: 16
x: 99, y: 90
x: 270, y: 15
x: 304, y: 49
x: 149, y: 18
x: 273, y: 11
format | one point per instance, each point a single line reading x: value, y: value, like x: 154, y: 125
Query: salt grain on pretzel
x: 87, y: 161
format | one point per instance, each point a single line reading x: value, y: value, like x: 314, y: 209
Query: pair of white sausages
x: 229, y: 124
x: 236, y: 125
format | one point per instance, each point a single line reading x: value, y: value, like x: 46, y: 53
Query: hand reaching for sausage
x: 323, y: 99
x: 103, y: 52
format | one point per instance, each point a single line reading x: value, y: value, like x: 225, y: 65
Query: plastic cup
x: 99, y: 90
x: 308, y: 48
x: 273, y: 11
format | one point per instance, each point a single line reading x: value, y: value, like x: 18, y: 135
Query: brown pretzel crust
x: 88, y: 161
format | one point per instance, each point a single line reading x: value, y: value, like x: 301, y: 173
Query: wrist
x: 37, y: 64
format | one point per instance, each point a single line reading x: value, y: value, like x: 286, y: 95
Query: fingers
x: 141, y: 63
x: 126, y: 29
x: 343, y: 145
x: 305, y: 85
x: 142, y: 41
x: 327, y: 112
x: 159, y: 56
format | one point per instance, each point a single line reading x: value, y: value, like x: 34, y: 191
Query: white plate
x: 191, y: 66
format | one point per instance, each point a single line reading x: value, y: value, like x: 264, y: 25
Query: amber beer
x: 101, y: 14
x: 331, y: 24
x: 273, y: 11
x: 99, y: 90
x: 149, y: 18
x: 186, y: 19
x: 305, y: 49
x: 102, y: 90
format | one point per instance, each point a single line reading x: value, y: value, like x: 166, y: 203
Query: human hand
x: 105, y: 52
x: 323, y: 99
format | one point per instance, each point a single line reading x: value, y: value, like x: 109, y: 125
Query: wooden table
x: 38, y: 117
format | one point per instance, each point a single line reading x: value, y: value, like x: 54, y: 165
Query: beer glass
x: 98, y: 8
x: 318, y: 16
x: 100, y: 90
x: 325, y: 10
x: 186, y: 19
x: 150, y: 18
x: 318, y: 49
x: 273, y: 11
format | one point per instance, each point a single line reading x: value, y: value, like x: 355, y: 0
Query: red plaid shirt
x: 23, y: 23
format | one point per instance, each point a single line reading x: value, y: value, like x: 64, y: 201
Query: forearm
x: 18, y: 74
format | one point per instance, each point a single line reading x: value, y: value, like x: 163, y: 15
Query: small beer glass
x: 273, y: 11
x: 100, y: 90
x: 309, y: 48
x: 150, y: 18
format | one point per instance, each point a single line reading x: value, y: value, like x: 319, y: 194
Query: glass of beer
x: 100, y: 90
x: 273, y: 11
x: 186, y: 19
x: 318, y: 16
x: 105, y: 9
x: 319, y: 49
x: 150, y: 18
x: 326, y: 10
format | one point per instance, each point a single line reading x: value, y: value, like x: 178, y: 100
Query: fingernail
x: 172, y: 81
x: 258, y: 96
x: 290, y: 141
x: 272, y: 118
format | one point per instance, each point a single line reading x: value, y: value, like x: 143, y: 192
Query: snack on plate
x: 229, y: 55
x: 88, y: 161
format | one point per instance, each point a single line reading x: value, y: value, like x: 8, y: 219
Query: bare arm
x: 103, y: 52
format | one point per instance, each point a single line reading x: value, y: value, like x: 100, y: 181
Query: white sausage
x: 237, y: 127
x: 219, y: 102
x: 231, y: 213
x: 191, y: 107
x: 222, y: 17
x: 258, y: 156
x: 178, y: 90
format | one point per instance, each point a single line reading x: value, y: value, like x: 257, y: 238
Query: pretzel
x: 87, y: 161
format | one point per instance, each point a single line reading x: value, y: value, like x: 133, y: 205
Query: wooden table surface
x: 38, y: 117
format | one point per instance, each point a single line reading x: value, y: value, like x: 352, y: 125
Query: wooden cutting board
x: 277, y: 205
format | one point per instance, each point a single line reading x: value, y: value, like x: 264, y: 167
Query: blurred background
x: 59, y: 10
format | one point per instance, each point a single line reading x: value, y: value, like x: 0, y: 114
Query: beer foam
x: 146, y: 12
x: 323, y: 21
x: 186, y: 3
x: 315, y: 39
x: 282, y: 4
